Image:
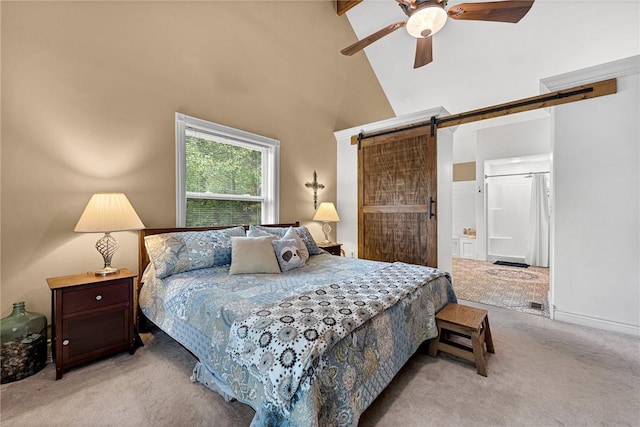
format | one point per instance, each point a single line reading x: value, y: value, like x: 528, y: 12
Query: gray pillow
x: 287, y: 254
x: 302, y: 231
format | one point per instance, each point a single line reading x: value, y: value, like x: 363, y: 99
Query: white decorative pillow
x: 286, y: 251
x: 253, y: 255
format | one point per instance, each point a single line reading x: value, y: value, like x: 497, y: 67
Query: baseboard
x: 593, y: 322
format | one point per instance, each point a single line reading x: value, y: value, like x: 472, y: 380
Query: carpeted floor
x: 544, y: 373
x: 503, y: 286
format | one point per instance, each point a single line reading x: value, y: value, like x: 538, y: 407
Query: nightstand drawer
x: 96, y: 296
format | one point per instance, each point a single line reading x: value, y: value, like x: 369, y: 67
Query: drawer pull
x: 65, y: 342
x: 98, y: 297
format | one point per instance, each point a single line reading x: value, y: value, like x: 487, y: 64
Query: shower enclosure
x: 513, y: 220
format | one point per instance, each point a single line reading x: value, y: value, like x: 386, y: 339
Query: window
x: 223, y: 175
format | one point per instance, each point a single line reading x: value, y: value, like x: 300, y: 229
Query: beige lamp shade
x: 326, y: 212
x: 108, y: 212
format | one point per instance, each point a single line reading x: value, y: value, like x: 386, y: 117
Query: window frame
x: 270, y: 166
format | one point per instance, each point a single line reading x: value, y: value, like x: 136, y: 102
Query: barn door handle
x: 431, y: 203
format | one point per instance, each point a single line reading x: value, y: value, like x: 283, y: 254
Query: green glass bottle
x: 24, y: 343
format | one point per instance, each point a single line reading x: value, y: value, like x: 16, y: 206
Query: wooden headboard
x: 143, y: 257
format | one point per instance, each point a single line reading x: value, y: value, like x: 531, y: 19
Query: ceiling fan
x: 427, y: 17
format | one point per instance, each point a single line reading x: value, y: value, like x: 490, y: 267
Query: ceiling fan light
x: 427, y: 20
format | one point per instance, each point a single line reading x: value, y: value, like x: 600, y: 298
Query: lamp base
x: 106, y: 271
x: 326, y: 229
x: 107, y: 246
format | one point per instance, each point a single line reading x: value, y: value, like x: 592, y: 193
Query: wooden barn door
x: 397, y: 184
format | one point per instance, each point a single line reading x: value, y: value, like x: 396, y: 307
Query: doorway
x: 508, y: 187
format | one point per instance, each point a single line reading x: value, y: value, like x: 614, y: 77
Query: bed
x: 312, y: 345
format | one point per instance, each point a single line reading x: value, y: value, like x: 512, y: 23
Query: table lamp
x: 106, y: 213
x: 326, y: 212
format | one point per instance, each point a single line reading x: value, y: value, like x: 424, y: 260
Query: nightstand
x: 332, y: 248
x: 92, y: 317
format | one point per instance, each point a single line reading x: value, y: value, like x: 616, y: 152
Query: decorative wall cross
x: 316, y: 186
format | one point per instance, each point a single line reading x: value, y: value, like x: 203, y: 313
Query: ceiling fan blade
x: 424, y: 51
x: 361, y: 44
x: 496, y: 11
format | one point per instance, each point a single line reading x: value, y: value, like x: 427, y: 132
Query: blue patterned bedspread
x: 198, y: 309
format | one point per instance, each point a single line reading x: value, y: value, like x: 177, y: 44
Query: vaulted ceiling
x: 476, y: 64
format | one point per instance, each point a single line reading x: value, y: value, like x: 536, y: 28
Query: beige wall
x: 89, y: 93
x: 464, y: 171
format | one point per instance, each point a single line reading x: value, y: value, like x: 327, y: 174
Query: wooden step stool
x: 467, y: 322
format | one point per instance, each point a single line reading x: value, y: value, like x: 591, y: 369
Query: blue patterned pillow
x: 287, y: 254
x: 173, y: 253
x: 254, y: 231
x: 302, y: 231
